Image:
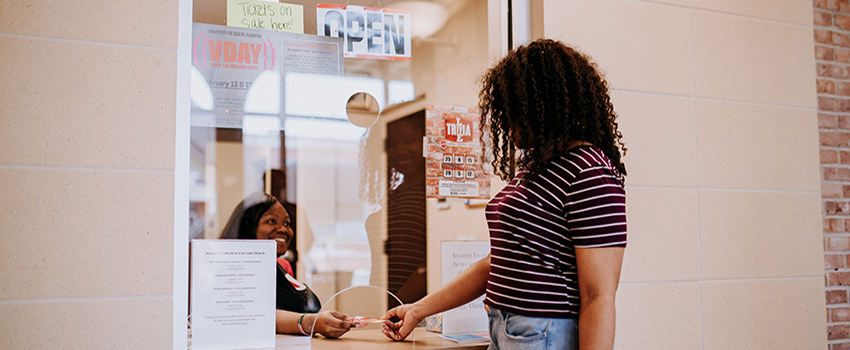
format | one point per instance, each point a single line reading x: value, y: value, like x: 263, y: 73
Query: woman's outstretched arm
x: 329, y: 323
x: 466, y: 287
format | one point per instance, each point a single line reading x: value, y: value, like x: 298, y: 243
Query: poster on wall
x: 367, y: 32
x: 259, y: 14
x: 242, y: 71
x: 455, y: 165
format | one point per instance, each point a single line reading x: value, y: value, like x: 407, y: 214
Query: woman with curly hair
x: 558, y: 228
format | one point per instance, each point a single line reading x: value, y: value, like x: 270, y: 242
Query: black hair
x: 246, y: 216
x: 547, y: 95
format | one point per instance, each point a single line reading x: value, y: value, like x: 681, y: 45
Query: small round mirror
x: 363, y: 109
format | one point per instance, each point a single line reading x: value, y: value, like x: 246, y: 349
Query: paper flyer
x: 455, y: 164
x: 242, y: 71
x: 233, y: 294
x: 456, y: 257
x: 367, y: 32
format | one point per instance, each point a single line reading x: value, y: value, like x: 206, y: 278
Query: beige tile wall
x: 639, y: 46
x: 87, y: 133
x: 673, y: 310
x: 717, y: 104
x: 749, y: 59
x: 763, y: 314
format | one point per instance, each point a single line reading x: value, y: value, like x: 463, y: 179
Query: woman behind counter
x: 261, y: 216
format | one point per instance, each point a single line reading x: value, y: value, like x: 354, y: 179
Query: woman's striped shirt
x: 577, y: 201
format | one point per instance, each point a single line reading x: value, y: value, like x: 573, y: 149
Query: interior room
x: 111, y: 140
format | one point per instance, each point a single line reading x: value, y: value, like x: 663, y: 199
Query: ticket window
x: 342, y: 186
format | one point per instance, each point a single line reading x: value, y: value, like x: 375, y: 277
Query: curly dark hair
x: 540, y: 98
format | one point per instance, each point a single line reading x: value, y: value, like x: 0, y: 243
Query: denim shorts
x: 509, y: 331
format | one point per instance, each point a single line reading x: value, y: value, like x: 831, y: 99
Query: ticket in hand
x: 361, y: 319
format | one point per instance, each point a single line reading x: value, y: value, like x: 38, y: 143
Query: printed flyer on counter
x: 455, y: 162
x: 233, y: 294
x: 239, y: 71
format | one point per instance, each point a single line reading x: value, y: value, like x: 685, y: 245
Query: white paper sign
x: 239, y: 72
x: 456, y: 257
x: 459, y: 188
x: 233, y: 294
x: 368, y: 32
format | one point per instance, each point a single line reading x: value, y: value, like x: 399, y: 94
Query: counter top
x: 373, y: 338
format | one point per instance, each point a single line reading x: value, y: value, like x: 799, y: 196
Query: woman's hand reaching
x: 466, y: 287
x: 400, y: 330
x: 330, y: 323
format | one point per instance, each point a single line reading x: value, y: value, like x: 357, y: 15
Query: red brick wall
x: 832, y: 54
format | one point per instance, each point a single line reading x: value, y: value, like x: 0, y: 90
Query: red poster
x: 454, y: 152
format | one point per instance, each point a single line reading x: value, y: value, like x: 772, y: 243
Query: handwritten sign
x: 265, y: 15
x: 456, y: 257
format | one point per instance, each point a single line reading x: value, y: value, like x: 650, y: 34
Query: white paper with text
x: 456, y: 257
x: 233, y: 294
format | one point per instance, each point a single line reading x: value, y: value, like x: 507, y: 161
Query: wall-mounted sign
x: 265, y: 15
x: 368, y: 32
x: 455, y: 162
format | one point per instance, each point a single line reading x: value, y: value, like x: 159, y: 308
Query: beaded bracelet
x: 299, y: 325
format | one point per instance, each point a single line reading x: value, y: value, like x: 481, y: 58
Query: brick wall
x: 832, y: 54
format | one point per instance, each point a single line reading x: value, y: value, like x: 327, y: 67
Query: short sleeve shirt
x: 577, y: 201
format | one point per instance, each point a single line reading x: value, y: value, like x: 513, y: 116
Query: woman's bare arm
x: 329, y: 323
x: 598, y: 277
x: 466, y: 287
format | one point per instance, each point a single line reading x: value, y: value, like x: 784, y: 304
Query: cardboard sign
x: 456, y: 257
x: 265, y: 15
x: 367, y: 32
x: 233, y: 294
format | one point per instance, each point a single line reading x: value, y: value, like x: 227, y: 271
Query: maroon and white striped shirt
x: 578, y: 200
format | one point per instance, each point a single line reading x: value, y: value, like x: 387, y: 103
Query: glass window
x: 341, y: 149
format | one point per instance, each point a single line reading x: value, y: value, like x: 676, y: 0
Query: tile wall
x: 717, y: 104
x: 87, y: 133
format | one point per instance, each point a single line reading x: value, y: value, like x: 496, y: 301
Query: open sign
x: 367, y: 32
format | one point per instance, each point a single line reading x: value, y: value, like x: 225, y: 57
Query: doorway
x: 405, y: 246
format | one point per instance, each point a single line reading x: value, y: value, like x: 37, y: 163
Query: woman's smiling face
x: 274, y: 224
